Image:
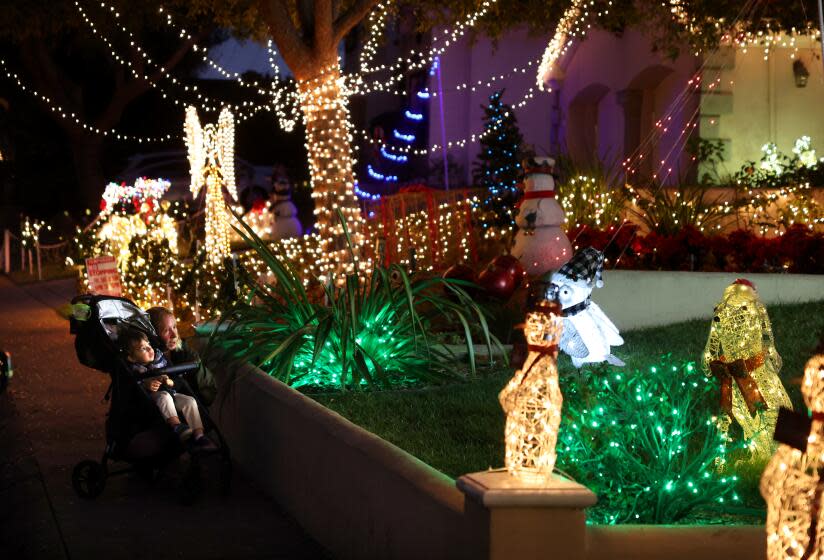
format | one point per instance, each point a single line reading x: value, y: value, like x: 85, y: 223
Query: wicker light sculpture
x: 741, y: 354
x: 532, y: 399
x: 792, y: 482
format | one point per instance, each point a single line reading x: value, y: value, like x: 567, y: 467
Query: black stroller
x: 136, y: 432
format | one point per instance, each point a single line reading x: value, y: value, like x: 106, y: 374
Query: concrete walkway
x: 51, y: 417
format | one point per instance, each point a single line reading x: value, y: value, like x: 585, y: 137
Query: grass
x: 459, y: 428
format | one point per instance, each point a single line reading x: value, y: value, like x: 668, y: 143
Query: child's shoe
x: 203, y: 444
x: 182, y: 431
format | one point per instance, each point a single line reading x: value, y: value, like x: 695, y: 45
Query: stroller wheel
x: 192, y: 486
x: 88, y: 479
x: 225, y: 474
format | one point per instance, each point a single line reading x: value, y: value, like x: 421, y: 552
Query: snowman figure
x: 792, y: 483
x: 588, y: 333
x: 532, y: 399
x: 286, y: 223
x: 540, y: 244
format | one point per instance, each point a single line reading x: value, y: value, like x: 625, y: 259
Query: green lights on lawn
x: 633, y: 452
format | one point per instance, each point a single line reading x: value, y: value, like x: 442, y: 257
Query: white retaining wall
x: 635, y: 299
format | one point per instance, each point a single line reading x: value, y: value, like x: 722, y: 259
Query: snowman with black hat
x: 588, y: 333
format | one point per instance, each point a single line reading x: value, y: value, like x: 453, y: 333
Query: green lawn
x: 459, y: 428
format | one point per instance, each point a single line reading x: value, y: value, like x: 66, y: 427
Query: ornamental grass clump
x: 645, y: 442
x: 380, y: 329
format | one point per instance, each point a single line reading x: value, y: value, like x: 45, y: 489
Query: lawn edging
x: 362, y: 497
x: 356, y: 494
x: 636, y: 299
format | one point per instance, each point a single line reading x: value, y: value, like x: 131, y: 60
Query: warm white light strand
x: 71, y: 116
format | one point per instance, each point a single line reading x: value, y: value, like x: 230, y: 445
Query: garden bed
x: 459, y: 428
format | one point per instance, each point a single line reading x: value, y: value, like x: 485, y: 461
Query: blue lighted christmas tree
x: 498, y: 168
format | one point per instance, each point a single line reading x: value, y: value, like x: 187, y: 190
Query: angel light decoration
x: 791, y: 484
x: 532, y: 399
x: 212, y: 164
x: 588, y: 333
x: 741, y: 354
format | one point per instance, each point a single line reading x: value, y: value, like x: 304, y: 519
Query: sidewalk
x: 52, y: 417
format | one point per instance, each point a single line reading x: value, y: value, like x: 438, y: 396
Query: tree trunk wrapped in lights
x: 328, y: 143
x: 532, y: 399
x: 307, y: 35
x: 792, y: 484
x: 741, y: 354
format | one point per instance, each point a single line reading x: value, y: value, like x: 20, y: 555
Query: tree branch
x: 283, y: 32
x: 323, y: 25
x: 351, y: 17
x: 46, y: 76
x: 127, y: 91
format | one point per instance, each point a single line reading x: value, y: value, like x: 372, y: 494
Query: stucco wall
x: 753, y: 102
x: 766, y: 104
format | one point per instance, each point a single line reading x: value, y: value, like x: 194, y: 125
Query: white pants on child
x: 187, y: 406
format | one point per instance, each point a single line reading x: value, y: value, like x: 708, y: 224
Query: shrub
x: 376, y: 329
x: 644, y: 442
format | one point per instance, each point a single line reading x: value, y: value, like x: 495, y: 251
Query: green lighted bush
x: 375, y: 329
x: 644, y: 442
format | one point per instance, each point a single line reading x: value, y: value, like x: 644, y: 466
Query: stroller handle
x: 171, y: 371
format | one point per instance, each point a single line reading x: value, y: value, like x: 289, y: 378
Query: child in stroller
x: 136, y: 431
x: 141, y: 359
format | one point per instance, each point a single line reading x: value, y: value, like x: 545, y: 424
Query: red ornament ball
x: 502, y: 277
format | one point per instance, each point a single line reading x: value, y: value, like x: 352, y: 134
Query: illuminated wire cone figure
x: 532, y: 399
x: 792, y: 483
x: 741, y: 354
x: 212, y: 164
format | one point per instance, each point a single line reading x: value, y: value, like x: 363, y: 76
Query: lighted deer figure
x: 212, y: 164
x: 532, y: 399
x: 741, y: 353
x: 792, y: 483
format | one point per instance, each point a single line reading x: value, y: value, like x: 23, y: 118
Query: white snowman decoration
x: 541, y: 245
x: 588, y: 333
x: 286, y: 223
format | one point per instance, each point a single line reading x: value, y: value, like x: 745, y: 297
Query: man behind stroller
x: 141, y: 359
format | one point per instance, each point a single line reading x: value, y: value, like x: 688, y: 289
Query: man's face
x: 167, y: 331
x: 142, y: 352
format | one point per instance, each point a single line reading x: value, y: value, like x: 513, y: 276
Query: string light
x: 328, y: 143
x: 571, y: 24
x: 66, y: 114
x: 206, y: 103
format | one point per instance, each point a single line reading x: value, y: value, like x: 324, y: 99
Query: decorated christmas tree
x: 498, y: 168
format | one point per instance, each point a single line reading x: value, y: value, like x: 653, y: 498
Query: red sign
x: 103, y: 276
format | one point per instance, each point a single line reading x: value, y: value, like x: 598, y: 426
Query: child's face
x: 142, y: 352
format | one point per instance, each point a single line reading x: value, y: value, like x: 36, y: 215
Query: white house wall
x: 765, y: 105
x: 602, y: 58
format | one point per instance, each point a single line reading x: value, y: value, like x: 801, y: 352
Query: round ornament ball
x: 502, y: 277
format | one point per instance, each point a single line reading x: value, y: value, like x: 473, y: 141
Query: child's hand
x: 152, y: 385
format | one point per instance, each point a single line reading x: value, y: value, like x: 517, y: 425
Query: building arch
x: 582, y: 127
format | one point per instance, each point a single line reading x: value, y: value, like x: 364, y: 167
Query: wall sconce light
x: 800, y: 73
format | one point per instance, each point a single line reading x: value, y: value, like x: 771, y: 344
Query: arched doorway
x: 582, y: 136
